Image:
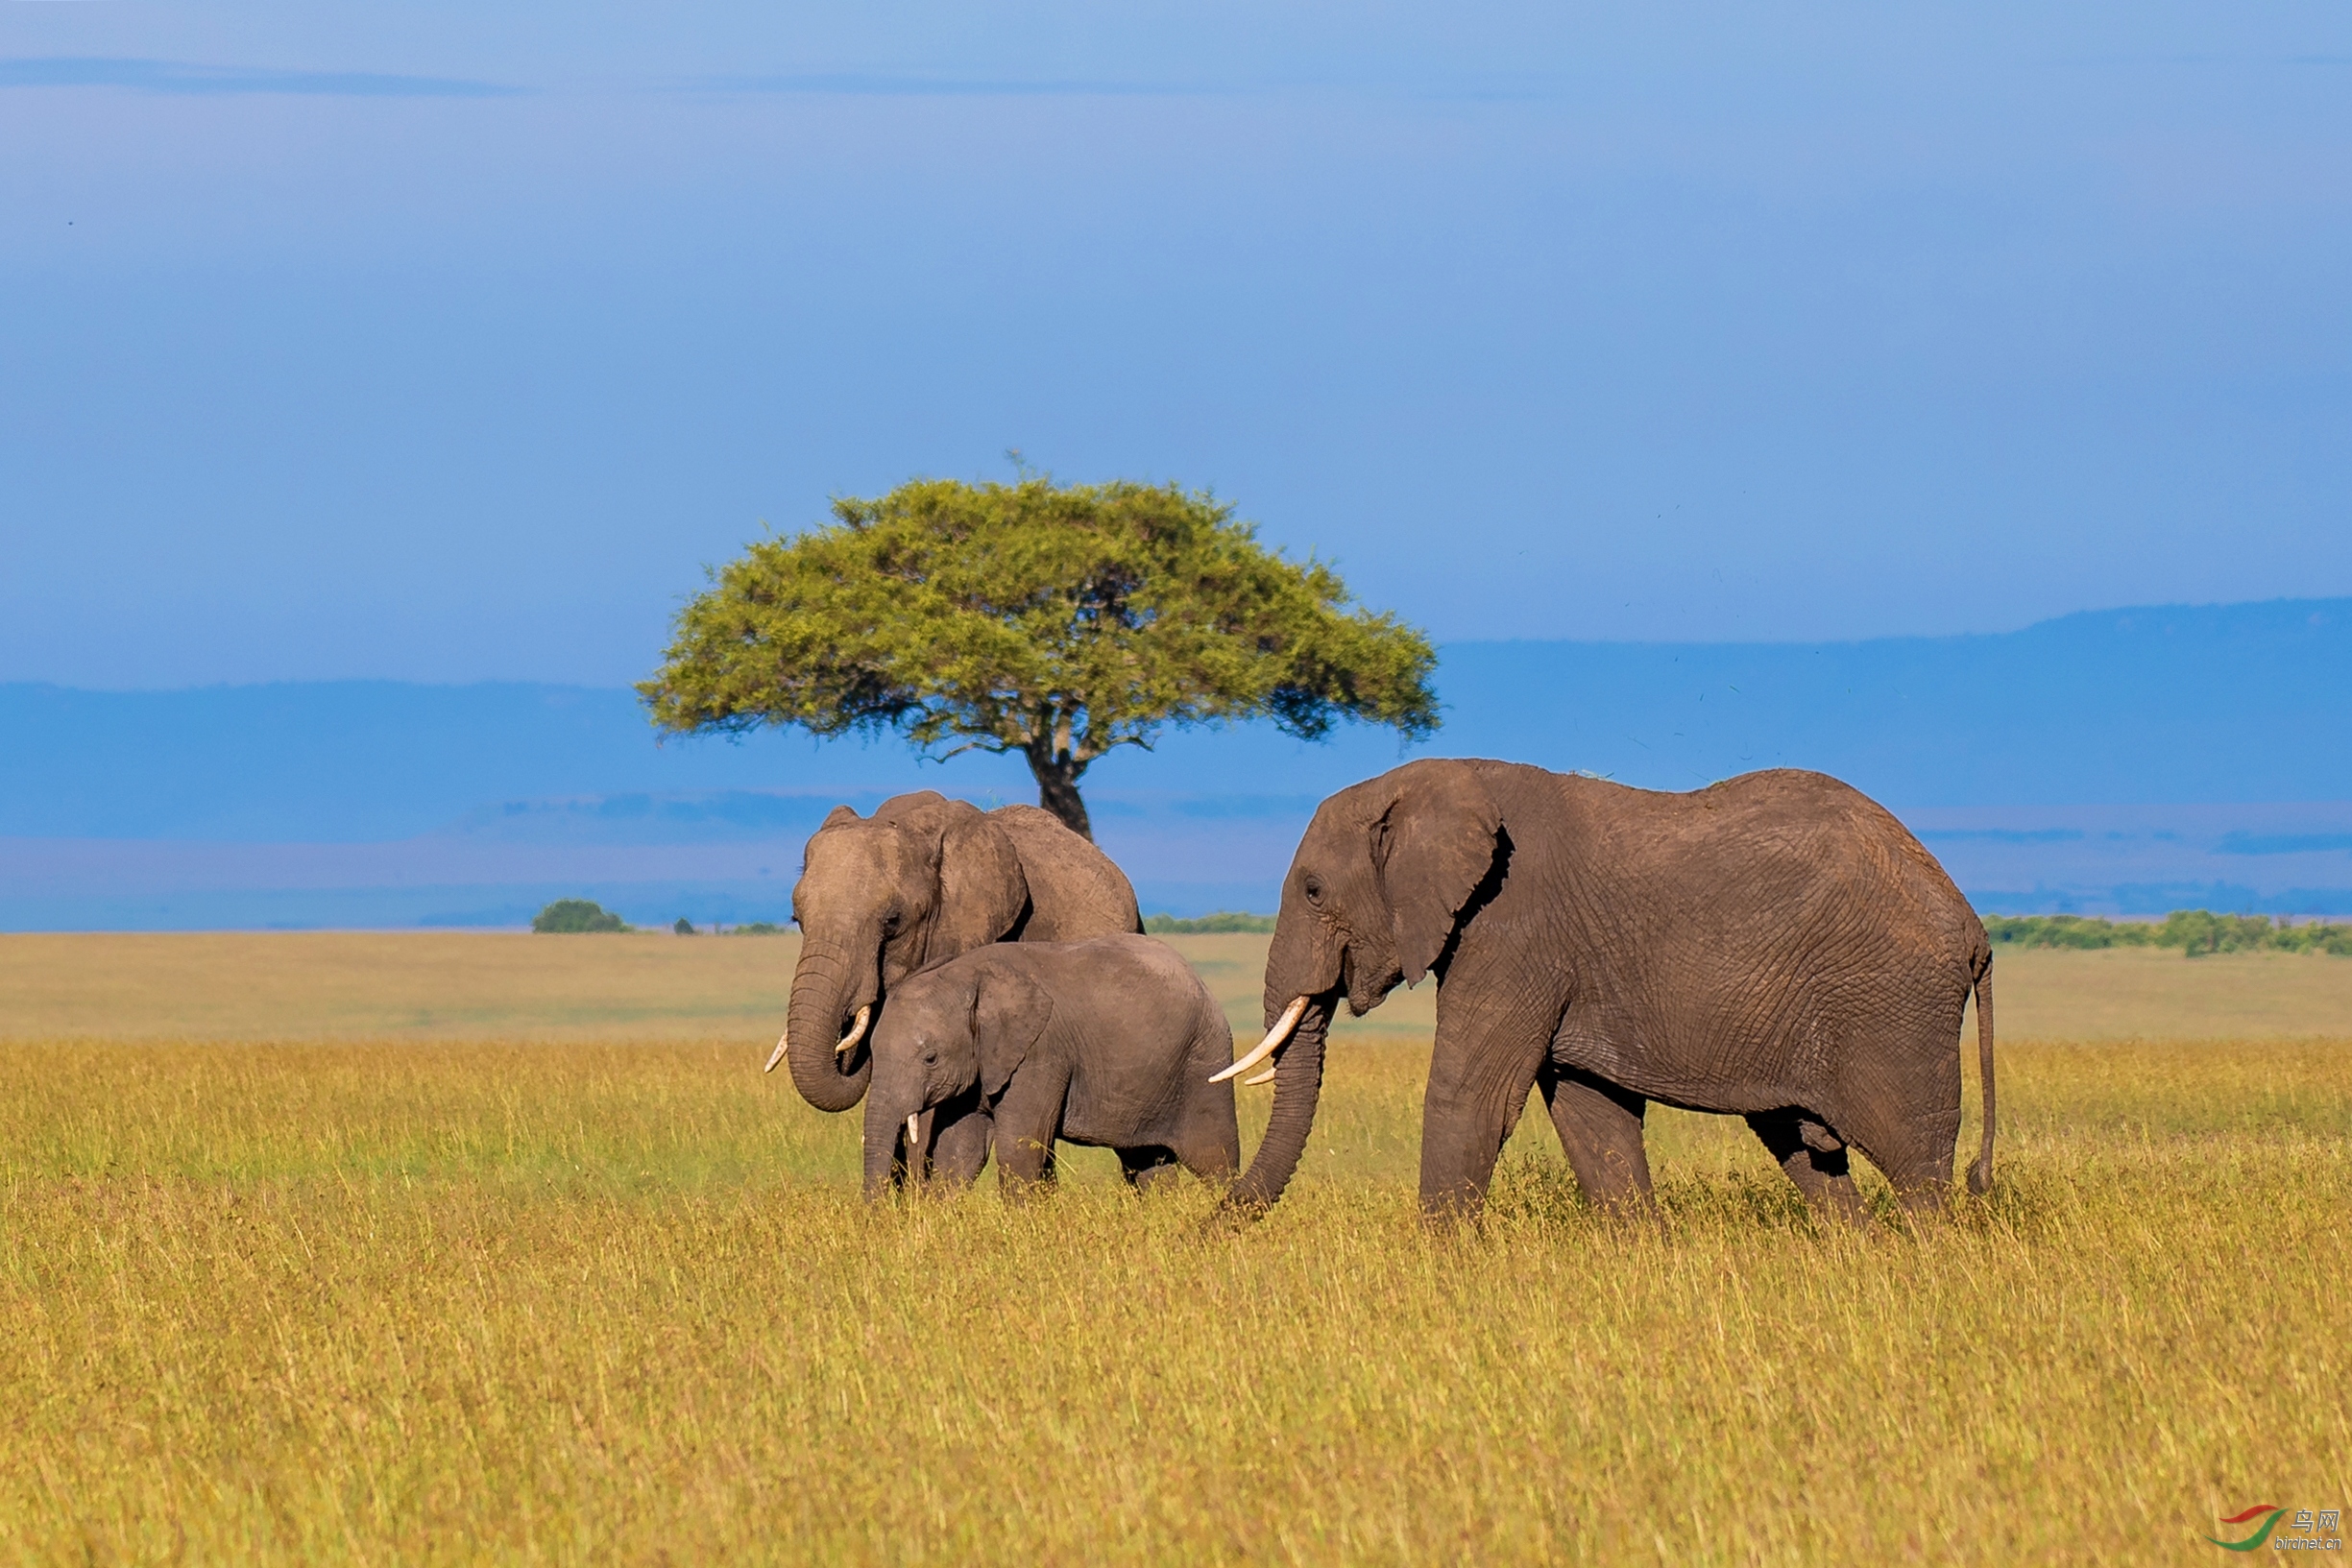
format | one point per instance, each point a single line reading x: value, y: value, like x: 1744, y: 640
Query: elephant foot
x: 1925, y: 1206
x: 1815, y: 1161
x: 1448, y: 1212
x: 1025, y: 1167
x: 1146, y: 1168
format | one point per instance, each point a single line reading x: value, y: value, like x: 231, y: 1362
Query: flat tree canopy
x: 1057, y: 621
x: 574, y: 915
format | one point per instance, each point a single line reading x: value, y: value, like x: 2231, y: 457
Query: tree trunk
x: 1057, y: 790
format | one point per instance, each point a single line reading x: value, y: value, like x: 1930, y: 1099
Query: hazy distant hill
x: 516, y: 786
x: 2234, y: 703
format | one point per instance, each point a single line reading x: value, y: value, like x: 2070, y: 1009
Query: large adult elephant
x: 921, y: 880
x: 1775, y: 947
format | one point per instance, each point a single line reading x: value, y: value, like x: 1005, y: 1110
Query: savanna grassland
x: 422, y: 1248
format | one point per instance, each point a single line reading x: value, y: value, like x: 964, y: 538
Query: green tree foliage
x: 2194, y: 931
x: 572, y: 915
x: 1056, y: 622
x: 1223, y: 921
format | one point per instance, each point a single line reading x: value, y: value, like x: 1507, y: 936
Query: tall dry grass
x: 483, y: 1300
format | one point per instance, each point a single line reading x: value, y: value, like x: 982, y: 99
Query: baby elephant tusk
x: 1274, y: 1036
x: 774, y: 1056
x: 1266, y: 1077
x: 857, y: 1032
x: 914, y: 1137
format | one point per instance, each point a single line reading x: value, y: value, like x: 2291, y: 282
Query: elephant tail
x: 1980, y: 1174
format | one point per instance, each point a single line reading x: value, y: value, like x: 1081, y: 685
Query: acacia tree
x: 1057, y: 621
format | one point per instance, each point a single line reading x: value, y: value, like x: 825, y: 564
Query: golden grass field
x: 425, y: 1248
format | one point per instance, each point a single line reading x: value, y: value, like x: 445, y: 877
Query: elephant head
x: 1372, y: 899
x: 949, y: 1034
x: 881, y: 899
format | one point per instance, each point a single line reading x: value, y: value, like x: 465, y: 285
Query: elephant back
x: 1075, y: 890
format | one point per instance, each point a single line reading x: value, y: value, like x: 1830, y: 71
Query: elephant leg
x: 1814, y: 1159
x: 1027, y: 1121
x: 1479, y: 1080
x: 1600, y: 1131
x: 959, y: 1148
x: 1208, y: 1140
x: 1214, y: 1158
x: 1911, y: 1145
x: 1146, y: 1166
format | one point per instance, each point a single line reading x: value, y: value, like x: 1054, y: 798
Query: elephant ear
x: 981, y: 888
x: 1009, y: 1011
x: 1433, y: 846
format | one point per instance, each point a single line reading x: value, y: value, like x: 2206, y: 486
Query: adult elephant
x: 921, y: 880
x: 1775, y: 947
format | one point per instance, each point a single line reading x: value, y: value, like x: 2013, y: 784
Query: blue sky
x: 449, y: 343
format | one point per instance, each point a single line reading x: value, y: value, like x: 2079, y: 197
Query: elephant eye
x: 1315, y: 888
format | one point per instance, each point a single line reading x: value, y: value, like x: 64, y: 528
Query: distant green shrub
x: 2194, y: 931
x: 1222, y: 922
x: 2068, y: 932
x: 569, y: 915
x: 2316, y: 936
x: 683, y: 926
x: 758, y: 928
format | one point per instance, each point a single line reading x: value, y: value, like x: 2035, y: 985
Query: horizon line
x: 2342, y: 603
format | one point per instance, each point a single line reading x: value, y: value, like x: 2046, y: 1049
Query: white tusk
x: 914, y: 1137
x: 1274, y: 1036
x: 774, y: 1056
x: 1266, y: 1077
x: 857, y: 1031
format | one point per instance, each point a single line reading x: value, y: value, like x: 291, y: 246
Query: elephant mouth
x: 1364, y: 990
x: 854, y: 1034
x: 845, y: 1058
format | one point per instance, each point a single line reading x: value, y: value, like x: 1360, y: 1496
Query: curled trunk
x: 1298, y: 1084
x: 824, y: 995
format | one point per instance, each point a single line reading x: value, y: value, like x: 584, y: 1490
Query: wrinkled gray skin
x: 1108, y: 1043
x: 922, y: 881
x: 1775, y: 947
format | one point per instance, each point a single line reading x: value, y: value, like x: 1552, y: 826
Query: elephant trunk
x: 1303, y: 964
x: 893, y: 1121
x: 881, y: 1135
x: 1298, y: 1084
x: 826, y: 990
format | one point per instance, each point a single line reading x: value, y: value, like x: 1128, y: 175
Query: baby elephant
x: 1108, y: 1042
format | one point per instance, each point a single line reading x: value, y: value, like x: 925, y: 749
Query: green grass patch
x: 470, y: 1301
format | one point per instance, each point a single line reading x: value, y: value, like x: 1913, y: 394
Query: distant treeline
x: 2194, y: 931
x: 1222, y: 922
x: 567, y: 917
